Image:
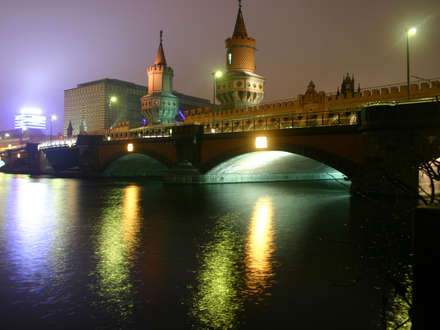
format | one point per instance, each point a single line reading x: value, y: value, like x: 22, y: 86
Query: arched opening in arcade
x: 135, y: 165
x: 267, y: 166
x: 429, y: 179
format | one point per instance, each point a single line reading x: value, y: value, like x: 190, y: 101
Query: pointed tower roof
x: 160, y: 57
x: 240, y: 27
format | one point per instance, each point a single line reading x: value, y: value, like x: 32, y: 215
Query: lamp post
x: 409, y: 32
x: 52, y: 119
x: 215, y: 75
x: 113, y: 99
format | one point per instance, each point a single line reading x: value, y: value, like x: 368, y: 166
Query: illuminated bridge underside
x: 264, y: 166
x: 135, y: 165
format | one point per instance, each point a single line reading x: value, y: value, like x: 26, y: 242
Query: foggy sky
x: 47, y: 46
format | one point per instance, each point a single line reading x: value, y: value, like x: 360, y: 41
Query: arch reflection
x: 260, y: 247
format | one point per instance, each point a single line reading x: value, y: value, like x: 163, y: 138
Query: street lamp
x: 409, y: 33
x: 52, y: 119
x: 215, y: 75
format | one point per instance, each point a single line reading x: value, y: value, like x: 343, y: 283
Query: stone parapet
x: 318, y: 102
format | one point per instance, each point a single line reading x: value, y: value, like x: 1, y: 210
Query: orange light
x: 130, y: 147
x: 261, y: 142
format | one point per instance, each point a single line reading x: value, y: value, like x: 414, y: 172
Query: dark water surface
x: 121, y: 254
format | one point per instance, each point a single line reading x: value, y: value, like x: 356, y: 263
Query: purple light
x: 182, y: 115
x: 144, y: 121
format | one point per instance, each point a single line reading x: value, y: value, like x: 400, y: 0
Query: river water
x: 141, y: 254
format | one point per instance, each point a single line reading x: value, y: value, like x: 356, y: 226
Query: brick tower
x: 240, y: 86
x: 160, y: 105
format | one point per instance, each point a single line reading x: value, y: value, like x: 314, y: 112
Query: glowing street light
x: 113, y: 99
x: 130, y: 147
x: 216, y: 75
x: 261, y: 142
x: 409, y: 33
x: 412, y: 31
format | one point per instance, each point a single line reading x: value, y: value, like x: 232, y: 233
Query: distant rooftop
x: 111, y: 81
x: 190, y: 97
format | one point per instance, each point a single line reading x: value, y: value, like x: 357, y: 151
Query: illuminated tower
x: 347, y: 86
x: 240, y: 86
x: 160, y: 105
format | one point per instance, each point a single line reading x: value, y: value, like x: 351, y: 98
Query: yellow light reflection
x: 260, y: 247
x: 34, y: 227
x: 217, y: 299
x: 117, y: 239
x: 130, y: 216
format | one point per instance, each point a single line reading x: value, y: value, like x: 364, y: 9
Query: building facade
x: 98, y: 105
x: 240, y: 86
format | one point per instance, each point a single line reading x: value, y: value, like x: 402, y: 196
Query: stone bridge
x: 379, y: 153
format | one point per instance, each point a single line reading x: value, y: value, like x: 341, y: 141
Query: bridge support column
x: 392, y: 152
x: 35, y: 158
x: 88, y: 155
x: 186, y: 140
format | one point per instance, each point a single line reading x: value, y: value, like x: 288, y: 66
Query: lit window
x: 229, y: 58
x: 261, y: 142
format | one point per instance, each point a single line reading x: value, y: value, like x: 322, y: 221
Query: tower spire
x: 160, y: 57
x: 240, y: 27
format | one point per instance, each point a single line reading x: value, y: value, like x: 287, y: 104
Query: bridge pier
x: 395, y: 146
x: 376, y: 177
x: 89, y: 155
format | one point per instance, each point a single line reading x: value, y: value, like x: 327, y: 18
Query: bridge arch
x: 135, y: 164
x: 345, y: 166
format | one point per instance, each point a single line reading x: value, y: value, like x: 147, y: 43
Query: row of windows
x: 240, y: 84
x: 157, y: 102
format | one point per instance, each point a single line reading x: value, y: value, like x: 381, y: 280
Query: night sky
x: 48, y: 46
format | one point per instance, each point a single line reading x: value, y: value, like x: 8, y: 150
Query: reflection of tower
x: 240, y: 86
x: 160, y: 105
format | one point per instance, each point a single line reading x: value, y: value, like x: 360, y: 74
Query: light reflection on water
x: 32, y: 232
x: 117, y: 237
x: 260, y: 247
x: 123, y: 254
x: 217, y: 300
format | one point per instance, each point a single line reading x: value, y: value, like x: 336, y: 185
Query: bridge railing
x: 59, y: 143
x: 283, y: 121
x: 162, y: 131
